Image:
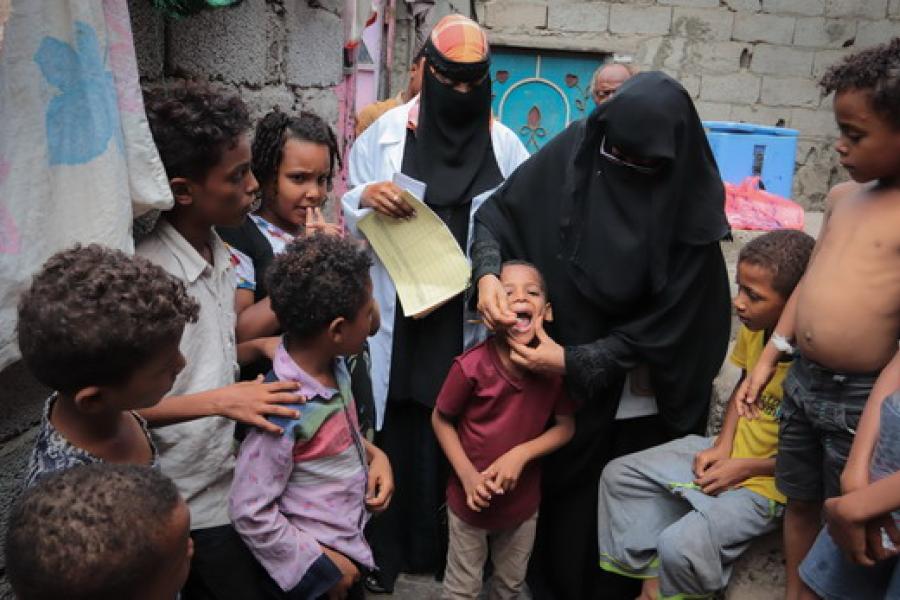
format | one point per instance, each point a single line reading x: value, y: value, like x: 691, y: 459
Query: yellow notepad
x: 426, y: 264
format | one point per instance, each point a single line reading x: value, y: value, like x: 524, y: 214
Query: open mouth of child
x: 523, y: 322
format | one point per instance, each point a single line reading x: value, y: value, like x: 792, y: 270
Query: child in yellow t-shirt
x: 678, y: 515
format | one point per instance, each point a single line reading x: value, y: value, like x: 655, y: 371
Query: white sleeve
x: 362, y: 171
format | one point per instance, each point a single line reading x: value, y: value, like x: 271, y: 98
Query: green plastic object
x: 179, y: 9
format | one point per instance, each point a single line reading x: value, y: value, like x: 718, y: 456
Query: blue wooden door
x: 537, y: 94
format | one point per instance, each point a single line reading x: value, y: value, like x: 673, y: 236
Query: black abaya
x: 635, y: 275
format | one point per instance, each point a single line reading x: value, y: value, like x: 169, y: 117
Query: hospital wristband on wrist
x: 782, y: 344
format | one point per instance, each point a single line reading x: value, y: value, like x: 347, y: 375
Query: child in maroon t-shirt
x: 491, y: 419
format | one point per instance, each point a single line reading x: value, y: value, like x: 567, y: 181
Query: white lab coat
x: 376, y: 155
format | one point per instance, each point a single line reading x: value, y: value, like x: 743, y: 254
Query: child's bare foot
x: 650, y: 590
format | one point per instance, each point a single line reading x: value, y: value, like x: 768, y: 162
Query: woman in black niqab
x: 622, y: 213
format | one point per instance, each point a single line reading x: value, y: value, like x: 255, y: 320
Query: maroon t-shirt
x: 495, y: 410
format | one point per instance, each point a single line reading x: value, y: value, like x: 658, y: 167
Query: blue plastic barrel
x: 745, y: 149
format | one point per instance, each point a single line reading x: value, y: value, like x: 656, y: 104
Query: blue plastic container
x: 745, y: 149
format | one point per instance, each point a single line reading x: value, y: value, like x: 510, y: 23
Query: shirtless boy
x: 843, y: 317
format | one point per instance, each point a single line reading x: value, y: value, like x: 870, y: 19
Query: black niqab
x: 641, y: 215
x: 630, y: 259
x: 453, y: 140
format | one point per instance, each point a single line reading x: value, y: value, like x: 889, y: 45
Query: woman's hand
x: 385, y: 197
x: 493, y: 304
x: 548, y: 357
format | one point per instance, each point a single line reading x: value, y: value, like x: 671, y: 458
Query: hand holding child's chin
x: 543, y: 355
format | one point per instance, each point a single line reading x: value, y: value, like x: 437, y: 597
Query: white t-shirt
x: 198, y: 455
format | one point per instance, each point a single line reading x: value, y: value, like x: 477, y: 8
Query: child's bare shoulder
x: 841, y: 192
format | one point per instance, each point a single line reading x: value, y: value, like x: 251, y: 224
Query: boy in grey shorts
x: 678, y: 515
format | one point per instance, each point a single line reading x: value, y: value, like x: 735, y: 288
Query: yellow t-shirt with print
x: 758, y: 438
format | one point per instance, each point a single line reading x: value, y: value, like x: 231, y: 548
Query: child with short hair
x: 300, y: 499
x: 678, y: 515
x: 101, y: 329
x: 843, y: 316
x: 491, y: 420
x: 99, y: 532
x: 201, y: 135
x: 294, y: 161
x: 295, y: 157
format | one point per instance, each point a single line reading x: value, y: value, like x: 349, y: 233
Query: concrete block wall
x: 272, y: 52
x: 284, y: 53
x: 741, y: 60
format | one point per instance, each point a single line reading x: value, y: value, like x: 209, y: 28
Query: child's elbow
x: 566, y: 425
x: 436, y: 420
x: 244, y: 516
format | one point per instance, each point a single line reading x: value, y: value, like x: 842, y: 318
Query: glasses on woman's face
x: 460, y: 86
x: 652, y: 166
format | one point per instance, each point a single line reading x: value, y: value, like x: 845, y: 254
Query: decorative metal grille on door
x: 537, y: 94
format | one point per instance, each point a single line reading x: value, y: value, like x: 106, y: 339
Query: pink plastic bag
x: 748, y: 207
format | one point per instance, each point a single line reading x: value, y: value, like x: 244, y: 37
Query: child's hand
x: 380, y: 487
x: 547, y: 358
x: 723, y: 475
x: 385, y: 197
x: 746, y: 398
x: 316, y: 223
x: 874, y: 540
x: 505, y: 471
x: 478, y: 496
x: 349, y: 574
x: 848, y: 533
x: 250, y: 401
x: 704, y: 459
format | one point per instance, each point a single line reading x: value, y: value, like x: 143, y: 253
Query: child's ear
x: 181, y: 190
x: 89, y: 399
x: 548, y: 312
x: 336, y: 330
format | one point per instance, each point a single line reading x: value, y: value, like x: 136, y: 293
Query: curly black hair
x: 317, y: 279
x: 784, y: 252
x: 875, y: 69
x: 192, y: 126
x: 91, y: 532
x: 93, y: 315
x: 276, y: 128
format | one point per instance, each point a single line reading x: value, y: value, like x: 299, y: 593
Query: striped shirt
x: 304, y: 489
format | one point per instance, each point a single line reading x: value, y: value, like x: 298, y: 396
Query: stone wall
x: 284, y: 53
x: 741, y: 60
x: 272, y: 52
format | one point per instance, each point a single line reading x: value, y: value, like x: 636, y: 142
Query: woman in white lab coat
x: 447, y: 139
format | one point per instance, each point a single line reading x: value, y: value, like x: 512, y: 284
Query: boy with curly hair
x: 202, y: 139
x: 300, y: 499
x: 102, y: 330
x: 843, y: 317
x: 99, y: 532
